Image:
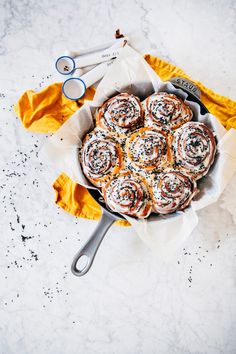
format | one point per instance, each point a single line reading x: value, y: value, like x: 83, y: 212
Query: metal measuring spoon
x: 74, y: 88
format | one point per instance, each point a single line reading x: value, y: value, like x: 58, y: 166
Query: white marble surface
x: 129, y: 302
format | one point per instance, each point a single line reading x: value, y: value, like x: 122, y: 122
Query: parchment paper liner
x: 130, y: 73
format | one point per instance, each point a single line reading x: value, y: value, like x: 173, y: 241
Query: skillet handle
x: 90, y: 248
x: 186, y: 85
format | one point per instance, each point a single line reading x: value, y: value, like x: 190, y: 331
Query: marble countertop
x: 129, y: 302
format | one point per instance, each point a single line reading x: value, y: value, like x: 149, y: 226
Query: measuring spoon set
x: 97, y: 59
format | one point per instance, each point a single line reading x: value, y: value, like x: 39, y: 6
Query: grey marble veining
x: 129, y: 302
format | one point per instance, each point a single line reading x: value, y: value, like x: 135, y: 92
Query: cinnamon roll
x: 194, y: 148
x: 128, y: 193
x: 172, y: 191
x: 148, y: 149
x: 120, y: 114
x: 166, y: 110
x: 101, y: 157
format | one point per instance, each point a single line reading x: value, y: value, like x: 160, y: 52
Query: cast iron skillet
x: 85, y: 257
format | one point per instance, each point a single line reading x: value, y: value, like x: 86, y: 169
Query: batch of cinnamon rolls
x: 147, y: 156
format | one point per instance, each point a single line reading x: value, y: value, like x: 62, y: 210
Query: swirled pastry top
x: 194, y: 148
x: 166, y: 110
x: 148, y: 149
x: 101, y: 157
x: 120, y: 114
x: 147, y: 159
x: 172, y: 191
x: 128, y: 193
